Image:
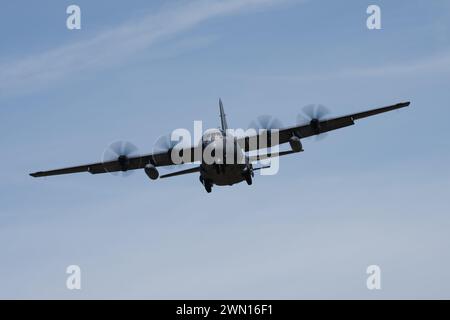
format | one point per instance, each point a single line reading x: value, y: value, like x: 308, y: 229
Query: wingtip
x: 406, y: 103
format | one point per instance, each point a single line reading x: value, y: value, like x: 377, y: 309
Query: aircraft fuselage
x: 230, y: 165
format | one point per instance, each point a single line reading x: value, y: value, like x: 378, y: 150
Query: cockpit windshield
x: 212, y: 135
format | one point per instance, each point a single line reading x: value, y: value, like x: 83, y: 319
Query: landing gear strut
x: 248, y: 179
x: 206, y: 184
x: 248, y: 175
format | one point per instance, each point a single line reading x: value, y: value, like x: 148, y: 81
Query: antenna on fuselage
x: 223, y: 119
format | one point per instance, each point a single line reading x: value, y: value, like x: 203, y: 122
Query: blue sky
x: 375, y: 193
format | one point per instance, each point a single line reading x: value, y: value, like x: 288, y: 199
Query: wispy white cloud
x: 434, y: 64
x: 115, y: 45
x: 430, y: 64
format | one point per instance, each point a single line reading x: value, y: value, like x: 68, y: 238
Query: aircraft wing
x: 132, y: 163
x: 308, y: 130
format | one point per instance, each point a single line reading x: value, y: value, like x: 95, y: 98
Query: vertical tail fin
x: 223, y: 119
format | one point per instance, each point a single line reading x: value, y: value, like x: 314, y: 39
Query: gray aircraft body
x: 229, y: 160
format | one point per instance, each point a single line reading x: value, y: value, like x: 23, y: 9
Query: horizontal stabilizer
x: 179, y: 173
x: 271, y: 155
x: 261, y: 168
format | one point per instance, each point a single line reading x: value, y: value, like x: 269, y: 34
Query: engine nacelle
x: 296, y: 144
x: 151, y: 171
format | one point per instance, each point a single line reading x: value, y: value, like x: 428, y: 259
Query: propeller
x: 120, y: 151
x: 268, y: 123
x: 313, y: 114
x: 265, y: 122
x: 165, y: 144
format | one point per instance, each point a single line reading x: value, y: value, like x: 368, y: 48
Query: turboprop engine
x: 151, y: 171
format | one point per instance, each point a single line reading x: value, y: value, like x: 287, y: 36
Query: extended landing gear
x: 248, y: 179
x: 206, y: 184
x: 248, y: 175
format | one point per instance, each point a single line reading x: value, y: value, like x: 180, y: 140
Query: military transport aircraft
x: 225, y: 170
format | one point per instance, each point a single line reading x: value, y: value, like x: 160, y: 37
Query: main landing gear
x: 206, y: 184
x: 248, y: 175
